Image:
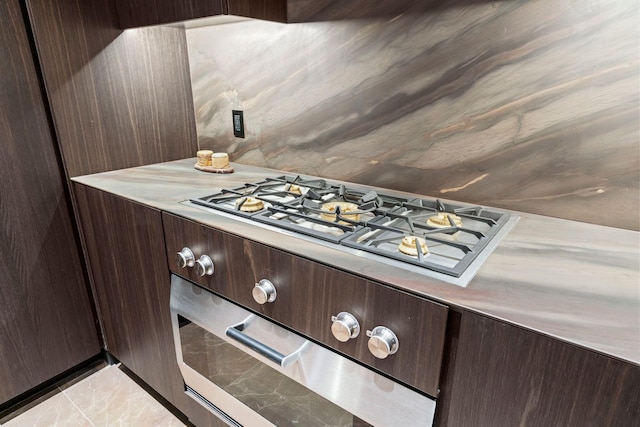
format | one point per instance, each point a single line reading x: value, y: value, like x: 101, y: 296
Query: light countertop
x: 574, y: 281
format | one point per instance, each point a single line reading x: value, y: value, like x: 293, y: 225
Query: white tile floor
x: 106, y: 398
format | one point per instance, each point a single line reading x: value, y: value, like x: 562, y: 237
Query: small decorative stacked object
x: 208, y: 161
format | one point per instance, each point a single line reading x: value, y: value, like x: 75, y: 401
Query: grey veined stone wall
x: 528, y: 105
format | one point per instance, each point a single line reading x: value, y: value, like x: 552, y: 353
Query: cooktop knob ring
x: 186, y: 258
x: 382, y: 342
x: 263, y: 292
x: 345, y: 326
x: 204, y: 266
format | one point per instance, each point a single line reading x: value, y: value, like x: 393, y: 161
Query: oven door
x: 249, y: 371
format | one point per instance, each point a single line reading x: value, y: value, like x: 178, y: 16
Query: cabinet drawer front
x: 225, y: 250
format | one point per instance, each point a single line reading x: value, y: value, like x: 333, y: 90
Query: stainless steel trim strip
x: 211, y: 407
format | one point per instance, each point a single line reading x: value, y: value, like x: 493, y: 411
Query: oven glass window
x: 264, y: 390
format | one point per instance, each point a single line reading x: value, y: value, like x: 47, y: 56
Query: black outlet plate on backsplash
x: 238, y: 123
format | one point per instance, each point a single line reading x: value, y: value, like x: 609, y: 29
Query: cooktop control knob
x: 382, y: 342
x: 345, y: 326
x: 264, y: 292
x: 204, y: 266
x: 186, y: 258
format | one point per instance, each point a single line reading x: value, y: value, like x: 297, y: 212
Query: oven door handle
x: 235, y: 332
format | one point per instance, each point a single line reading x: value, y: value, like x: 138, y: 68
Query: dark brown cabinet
x: 124, y: 242
x: 119, y: 99
x: 505, y: 376
x: 269, y: 10
x: 46, y: 322
x: 125, y: 248
x: 138, y: 13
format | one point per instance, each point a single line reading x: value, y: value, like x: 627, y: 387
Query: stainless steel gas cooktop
x: 438, y: 238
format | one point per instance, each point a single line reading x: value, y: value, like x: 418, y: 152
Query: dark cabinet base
x: 125, y: 247
x: 507, y: 376
x: 270, y: 10
x: 138, y: 13
x: 19, y: 404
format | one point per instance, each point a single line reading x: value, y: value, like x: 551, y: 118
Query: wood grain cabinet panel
x: 125, y: 246
x: 309, y: 293
x: 224, y: 249
x: 507, y: 376
x: 137, y: 13
x: 119, y: 99
x: 46, y: 322
x: 270, y: 10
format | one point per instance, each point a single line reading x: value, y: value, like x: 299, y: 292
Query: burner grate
x: 377, y: 224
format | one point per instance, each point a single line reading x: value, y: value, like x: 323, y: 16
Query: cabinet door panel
x: 125, y: 246
x: 119, y: 99
x: 506, y: 376
x: 46, y: 322
x: 137, y: 13
x: 270, y: 10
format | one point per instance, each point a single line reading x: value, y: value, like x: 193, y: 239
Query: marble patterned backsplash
x: 527, y: 105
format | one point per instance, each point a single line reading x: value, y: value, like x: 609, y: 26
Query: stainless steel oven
x: 250, y: 371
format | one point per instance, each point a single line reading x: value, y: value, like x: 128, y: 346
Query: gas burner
x: 445, y: 219
x: 293, y: 188
x: 438, y: 236
x: 410, y: 244
x: 249, y: 204
x: 341, y: 210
